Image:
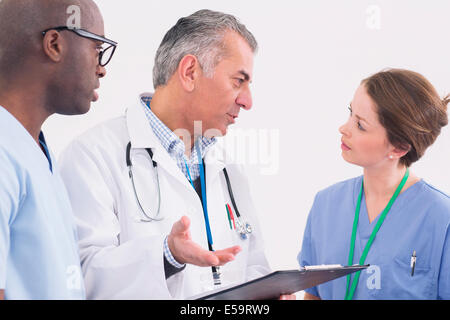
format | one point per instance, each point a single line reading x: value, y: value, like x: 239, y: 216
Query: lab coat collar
x: 214, y: 161
x: 141, y: 134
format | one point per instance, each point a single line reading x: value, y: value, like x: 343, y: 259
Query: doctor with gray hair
x: 201, y: 35
x: 162, y: 213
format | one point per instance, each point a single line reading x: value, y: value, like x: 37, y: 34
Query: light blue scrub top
x: 419, y: 220
x: 38, y: 249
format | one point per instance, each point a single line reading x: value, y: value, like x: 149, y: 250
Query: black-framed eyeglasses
x: 105, y: 54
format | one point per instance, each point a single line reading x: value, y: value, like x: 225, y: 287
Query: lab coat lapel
x: 214, y: 163
x: 142, y: 136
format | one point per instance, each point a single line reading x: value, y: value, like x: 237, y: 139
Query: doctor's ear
x: 188, y: 70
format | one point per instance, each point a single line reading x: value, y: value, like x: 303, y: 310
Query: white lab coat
x: 121, y: 256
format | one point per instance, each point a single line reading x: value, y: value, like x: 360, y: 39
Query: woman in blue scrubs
x: 388, y: 218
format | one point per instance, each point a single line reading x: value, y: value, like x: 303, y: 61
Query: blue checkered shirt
x: 175, y: 147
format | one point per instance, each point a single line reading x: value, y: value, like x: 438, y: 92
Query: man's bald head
x: 22, y: 23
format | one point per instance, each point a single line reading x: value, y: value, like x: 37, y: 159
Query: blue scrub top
x: 38, y: 249
x: 418, y: 221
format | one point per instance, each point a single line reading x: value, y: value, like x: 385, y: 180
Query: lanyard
x: 203, y: 187
x: 215, y: 270
x: 349, y: 294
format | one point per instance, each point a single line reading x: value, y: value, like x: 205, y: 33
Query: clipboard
x: 277, y: 283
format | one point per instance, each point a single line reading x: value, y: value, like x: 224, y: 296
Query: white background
x: 312, y: 57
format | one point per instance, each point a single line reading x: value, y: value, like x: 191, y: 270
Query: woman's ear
x: 397, y: 153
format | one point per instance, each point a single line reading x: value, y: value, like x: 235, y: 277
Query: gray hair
x: 200, y: 34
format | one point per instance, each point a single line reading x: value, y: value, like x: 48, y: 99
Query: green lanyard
x: 349, y: 294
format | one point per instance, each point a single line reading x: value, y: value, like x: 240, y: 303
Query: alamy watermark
x: 256, y: 147
x: 74, y: 277
x: 374, y: 280
x: 373, y: 21
x: 74, y: 20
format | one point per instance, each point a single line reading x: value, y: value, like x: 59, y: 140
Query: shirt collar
x: 169, y: 140
x: 43, y: 144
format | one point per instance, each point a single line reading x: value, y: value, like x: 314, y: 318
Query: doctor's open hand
x: 184, y: 250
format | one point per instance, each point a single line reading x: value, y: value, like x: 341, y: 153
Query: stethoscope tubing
x: 230, y: 192
x: 243, y: 230
x: 130, y: 174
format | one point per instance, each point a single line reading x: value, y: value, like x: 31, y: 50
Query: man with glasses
x: 104, y: 54
x: 44, y: 69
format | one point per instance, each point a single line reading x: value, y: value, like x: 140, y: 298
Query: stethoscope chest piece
x: 244, y: 231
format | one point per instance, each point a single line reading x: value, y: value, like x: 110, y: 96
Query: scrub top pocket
x: 396, y: 278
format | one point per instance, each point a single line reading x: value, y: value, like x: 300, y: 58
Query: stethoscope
x: 244, y: 229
